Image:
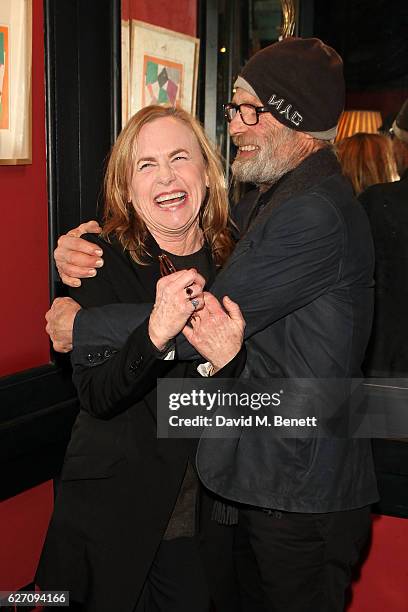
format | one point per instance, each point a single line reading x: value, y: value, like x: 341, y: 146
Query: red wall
x: 24, y: 246
x: 177, y: 15
x: 25, y: 292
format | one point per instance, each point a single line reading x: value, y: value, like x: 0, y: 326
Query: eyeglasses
x: 166, y: 265
x: 248, y: 112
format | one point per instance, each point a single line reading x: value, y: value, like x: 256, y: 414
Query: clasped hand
x: 178, y: 296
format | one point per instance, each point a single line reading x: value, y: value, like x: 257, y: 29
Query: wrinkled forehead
x: 164, y: 135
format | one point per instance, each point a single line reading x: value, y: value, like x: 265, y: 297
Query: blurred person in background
x: 386, y: 205
x: 367, y: 159
x: 399, y: 132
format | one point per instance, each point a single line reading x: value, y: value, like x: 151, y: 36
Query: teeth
x: 248, y: 148
x: 170, y: 196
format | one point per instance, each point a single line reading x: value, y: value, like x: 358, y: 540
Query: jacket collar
x: 313, y: 170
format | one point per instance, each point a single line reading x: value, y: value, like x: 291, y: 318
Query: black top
x: 182, y: 522
x: 201, y: 260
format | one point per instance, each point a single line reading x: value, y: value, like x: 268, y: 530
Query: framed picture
x: 125, y: 72
x: 163, y: 68
x: 15, y: 81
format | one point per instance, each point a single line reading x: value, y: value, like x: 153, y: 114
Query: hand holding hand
x: 76, y: 258
x: 217, y: 334
x: 178, y: 295
x: 60, y: 321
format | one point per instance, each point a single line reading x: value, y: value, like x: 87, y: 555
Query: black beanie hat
x: 301, y: 81
x: 400, y: 125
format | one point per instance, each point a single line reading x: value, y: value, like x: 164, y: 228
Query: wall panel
x: 24, y: 241
x: 178, y: 15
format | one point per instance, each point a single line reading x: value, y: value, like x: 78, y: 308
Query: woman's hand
x: 178, y: 296
x: 217, y: 333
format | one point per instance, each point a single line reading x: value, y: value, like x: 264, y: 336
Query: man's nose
x: 237, y: 126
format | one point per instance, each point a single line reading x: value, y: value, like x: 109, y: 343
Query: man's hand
x: 76, y: 258
x: 217, y: 333
x: 60, y: 321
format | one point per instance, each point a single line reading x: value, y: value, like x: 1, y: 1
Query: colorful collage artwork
x: 4, y: 78
x: 163, y: 81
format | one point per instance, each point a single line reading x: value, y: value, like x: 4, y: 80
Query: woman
x: 367, y: 159
x: 123, y: 536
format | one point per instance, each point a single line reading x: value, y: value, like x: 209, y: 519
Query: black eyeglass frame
x: 259, y: 110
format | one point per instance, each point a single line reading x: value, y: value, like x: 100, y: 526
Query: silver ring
x: 195, y: 303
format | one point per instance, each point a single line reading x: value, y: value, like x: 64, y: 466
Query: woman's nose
x: 166, y: 174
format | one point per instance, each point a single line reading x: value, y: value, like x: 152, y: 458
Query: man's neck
x: 304, y: 154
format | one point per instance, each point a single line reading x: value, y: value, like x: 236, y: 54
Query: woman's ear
x: 207, y: 180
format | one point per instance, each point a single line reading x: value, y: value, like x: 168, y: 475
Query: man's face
x: 267, y: 150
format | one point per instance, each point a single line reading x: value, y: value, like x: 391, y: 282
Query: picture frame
x: 125, y: 70
x: 15, y: 81
x: 163, y: 68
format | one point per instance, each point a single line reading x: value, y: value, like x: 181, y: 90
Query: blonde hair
x: 120, y: 217
x: 367, y: 159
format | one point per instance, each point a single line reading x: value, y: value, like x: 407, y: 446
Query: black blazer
x: 387, y: 209
x: 119, y: 483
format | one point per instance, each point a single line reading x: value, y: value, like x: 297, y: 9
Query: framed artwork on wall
x: 125, y: 70
x: 163, y: 68
x: 15, y: 81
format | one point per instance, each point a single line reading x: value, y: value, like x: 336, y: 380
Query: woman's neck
x: 185, y: 244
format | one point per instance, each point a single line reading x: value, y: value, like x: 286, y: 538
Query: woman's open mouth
x: 170, y: 200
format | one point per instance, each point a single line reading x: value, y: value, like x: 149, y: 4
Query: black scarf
x: 310, y: 171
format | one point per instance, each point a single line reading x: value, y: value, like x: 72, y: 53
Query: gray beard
x: 270, y: 165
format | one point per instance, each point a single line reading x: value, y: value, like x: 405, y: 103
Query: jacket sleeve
x: 111, y: 324
x: 109, y: 381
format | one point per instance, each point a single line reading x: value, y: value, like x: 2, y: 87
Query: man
x: 387, y: 210
x: 302, y: 275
